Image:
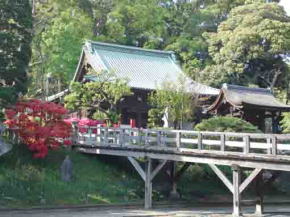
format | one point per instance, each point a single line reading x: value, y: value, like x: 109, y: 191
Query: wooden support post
x: 260, y: 195
x: 249, y: 179
x: 175, y: 176
x: 138, y: 168
x: 222, y: 177
x: 236, y: 191
x: 173, y: 193
x: 157, y: 169
x: 148, y: 185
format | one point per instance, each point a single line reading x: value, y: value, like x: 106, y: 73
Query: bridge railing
x: 245, y: 143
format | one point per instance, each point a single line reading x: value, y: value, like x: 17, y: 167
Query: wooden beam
x: 181, y: 171
x: 189, y: 157
x: 249, y: 179
x: 157, y: 169
x: 137, y: 166
x: 148, y: 185
x: 221, y: 175
x: 236, y: 191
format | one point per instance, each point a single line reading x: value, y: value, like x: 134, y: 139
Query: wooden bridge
x: 240, y: 151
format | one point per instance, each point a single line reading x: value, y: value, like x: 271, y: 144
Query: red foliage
x: 40, y: 125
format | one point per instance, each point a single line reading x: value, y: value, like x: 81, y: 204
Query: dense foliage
x: 15, y: 51
x: 173, y: 102
x: 99, y: 98
x: 226, y: 124
x: 39, y: 125
x: 249, y: 47
x: 61, y: 26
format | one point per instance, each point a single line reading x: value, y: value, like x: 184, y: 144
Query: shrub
x: 226, y: 124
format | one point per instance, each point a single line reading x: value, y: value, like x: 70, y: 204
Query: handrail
x: 244, y: 143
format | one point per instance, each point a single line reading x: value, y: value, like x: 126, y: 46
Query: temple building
x: 145, y: 70
x: 255, y: 105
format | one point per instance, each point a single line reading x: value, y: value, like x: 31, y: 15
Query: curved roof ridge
x: 233, y: 87
x: 129, y: 48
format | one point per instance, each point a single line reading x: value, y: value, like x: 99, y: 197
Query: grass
x: 26, y: 182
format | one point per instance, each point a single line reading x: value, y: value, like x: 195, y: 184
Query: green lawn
x: 25, y: 181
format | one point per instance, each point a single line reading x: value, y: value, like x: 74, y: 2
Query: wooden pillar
x: 236, y: 191
x: 148, y: 184
x: 173, y: 193
x: 259, y: 194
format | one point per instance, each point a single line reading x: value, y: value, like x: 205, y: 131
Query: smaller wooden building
x: 255, y: 105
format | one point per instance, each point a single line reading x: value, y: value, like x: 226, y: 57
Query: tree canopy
x: 15, y: 51
x: 99, y: 98
x: 173, y: 102
x: 249, y: 47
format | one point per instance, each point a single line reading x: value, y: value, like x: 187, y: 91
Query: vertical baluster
x: 90, y: 139
x: 223, y: 142
x: 199, y: 141
x: 246, y: 140
x: 139, y: 136
x: 146, y: 142
x: 274, y: 145
x: 159, y: 138
x: 106, y: 134
x: 269, y: 146
x: 178, y: 139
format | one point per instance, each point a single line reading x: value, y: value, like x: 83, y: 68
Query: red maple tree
x: 39, y: 125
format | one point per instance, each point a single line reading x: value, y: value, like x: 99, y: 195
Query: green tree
x: 99, y: 98
x: 248, y: 47
x: 226, y: 124
x: 60, y: 28
x: 173, y: 101
x: 136, y: 22
x: 15, y: 51
x: 187, y: 21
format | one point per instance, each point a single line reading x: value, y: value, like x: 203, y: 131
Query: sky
x: 286, y: 4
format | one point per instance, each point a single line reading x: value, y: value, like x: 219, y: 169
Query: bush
x: 226, y: 124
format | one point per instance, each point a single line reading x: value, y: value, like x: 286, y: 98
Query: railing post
x: 75, y: 133
x: 106, y: 134
x: 269, y: 146
x: 146, y: 142
x: 274, y: 145
x: 90, y: 136
x: 199, y: 139
x: 178, y: 139
x: 223, y: 142
x: 247, y: 144
x: 159, y: 138
x: 121, y: 137
x: 139, y: 136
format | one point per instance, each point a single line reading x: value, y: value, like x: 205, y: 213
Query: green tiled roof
x: 144, y: 68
